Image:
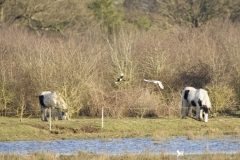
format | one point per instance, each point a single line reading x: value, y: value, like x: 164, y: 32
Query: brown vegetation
x: 83, y: 61
x: 93, y: 156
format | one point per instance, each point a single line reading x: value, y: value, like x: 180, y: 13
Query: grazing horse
x: 51, y: 100
x: 198, y: 98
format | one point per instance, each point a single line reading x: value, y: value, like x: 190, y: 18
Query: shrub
x: 143, y: 23
x: 105, y: 12
x: 223, y: 99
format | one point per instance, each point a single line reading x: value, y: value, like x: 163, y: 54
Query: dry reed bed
x: 91, y: 156
x: 83, y: 69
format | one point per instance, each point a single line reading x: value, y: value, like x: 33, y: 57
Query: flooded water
x: 123, y: 145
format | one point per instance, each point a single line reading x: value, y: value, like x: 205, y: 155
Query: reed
x: 92, y: 156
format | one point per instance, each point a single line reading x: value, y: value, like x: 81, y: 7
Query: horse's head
x: 206, y: 105
x: 205, y: 112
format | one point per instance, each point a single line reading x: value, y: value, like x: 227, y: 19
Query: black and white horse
x: 198, y: 98
x: 51, y: 100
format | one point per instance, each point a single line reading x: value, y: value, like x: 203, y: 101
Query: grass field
x: 82, y: 128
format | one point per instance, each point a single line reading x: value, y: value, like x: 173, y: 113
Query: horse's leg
x: 198, y: 112
x: 59, y: 114
x: 190, y: 111
x: 201, y: 114
x: 184, y: 106
x: 53, y: 114
x: 44, y: 114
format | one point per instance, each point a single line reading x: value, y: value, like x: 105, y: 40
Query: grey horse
x: 52, y: 100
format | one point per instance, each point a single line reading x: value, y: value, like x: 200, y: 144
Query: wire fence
x: 166, y: 110
x: 37, y: 113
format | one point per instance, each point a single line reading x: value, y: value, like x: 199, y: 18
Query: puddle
x: 123, y: 145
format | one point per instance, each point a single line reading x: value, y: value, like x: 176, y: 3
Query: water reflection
x: 124, y: 145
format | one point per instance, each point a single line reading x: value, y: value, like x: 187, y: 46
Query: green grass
x: 83, y: 128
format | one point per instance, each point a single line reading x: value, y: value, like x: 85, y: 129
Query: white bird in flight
x: 159, y: 83
x: 180, y: 153
x: 120, y: 78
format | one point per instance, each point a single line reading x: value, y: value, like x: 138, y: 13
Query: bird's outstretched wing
x: 148, y: 80
x: 159, y: 83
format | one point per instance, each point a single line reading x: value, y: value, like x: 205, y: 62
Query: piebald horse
x: 198, y: 98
